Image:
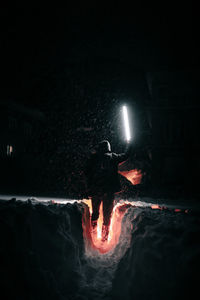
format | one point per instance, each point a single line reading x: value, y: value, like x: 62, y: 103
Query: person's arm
x: 124, y: 156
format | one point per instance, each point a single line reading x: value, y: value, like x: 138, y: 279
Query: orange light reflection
x: 134, y: 176
x: 93, y: 238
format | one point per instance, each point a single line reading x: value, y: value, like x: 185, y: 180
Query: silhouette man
x: 103, y: 182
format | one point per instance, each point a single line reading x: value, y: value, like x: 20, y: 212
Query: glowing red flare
x: 134, y: 176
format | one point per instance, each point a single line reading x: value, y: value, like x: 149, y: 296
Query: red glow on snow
x: 134, y: 176
x: 156, y: 206
x: 94, y: 238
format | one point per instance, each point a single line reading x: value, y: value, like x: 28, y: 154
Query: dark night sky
x: 149, y: 38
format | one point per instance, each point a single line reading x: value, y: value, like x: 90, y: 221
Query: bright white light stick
x: 126, y: 123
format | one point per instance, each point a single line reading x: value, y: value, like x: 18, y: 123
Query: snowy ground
x: 43, y: 254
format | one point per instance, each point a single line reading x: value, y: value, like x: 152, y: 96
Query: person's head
x: 104, y: 146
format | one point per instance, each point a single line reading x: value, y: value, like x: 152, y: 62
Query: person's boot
x: 105, y: 232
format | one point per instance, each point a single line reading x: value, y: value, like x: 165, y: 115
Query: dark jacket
x: 102, y: 172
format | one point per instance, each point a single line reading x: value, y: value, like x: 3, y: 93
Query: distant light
x: 126, y: 123
x: 9, y: 150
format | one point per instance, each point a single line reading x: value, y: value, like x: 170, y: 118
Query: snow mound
x: 43, y: 255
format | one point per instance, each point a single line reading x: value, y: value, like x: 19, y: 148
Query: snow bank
x: 41, y: 246
x: 43, y: 254
x: 163, y: 260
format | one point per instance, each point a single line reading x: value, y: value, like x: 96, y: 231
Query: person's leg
x: 108, y: 203
x: 96, y: 201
